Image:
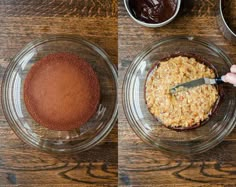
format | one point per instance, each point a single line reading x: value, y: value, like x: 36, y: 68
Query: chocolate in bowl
x: 153, y: 11
x: 198, y: 60
x: 153, y: 14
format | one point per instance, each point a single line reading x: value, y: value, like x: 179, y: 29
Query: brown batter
x: 61, y: 91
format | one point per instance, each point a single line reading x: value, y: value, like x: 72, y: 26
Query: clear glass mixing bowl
x: 198, y: 140
x: 33, y: 133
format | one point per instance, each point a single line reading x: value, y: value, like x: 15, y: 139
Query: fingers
x: 230, y: 78
x: 233, y: 69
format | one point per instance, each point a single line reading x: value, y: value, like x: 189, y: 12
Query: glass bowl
x: 198, y: 140
x: 27, y: 129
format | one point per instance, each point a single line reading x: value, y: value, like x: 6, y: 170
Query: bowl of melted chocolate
x: 152, y: 13
x: 191, y: 121
x: 59, y: 94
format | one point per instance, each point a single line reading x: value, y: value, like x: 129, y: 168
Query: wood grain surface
x: 140, y: 164
x: 21, y: 22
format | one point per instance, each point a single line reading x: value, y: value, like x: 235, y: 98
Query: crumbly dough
x: 184, y: 109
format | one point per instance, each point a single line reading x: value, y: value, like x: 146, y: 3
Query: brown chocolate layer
x: 61, y: 91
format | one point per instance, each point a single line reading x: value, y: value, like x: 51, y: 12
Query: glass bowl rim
x: 128, y: 112
x: 13, y: 63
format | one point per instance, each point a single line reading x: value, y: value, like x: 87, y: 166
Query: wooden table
x: 140, y: 164
x: 21, y: 22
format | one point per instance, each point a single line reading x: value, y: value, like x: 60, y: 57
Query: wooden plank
x: 59, y: 8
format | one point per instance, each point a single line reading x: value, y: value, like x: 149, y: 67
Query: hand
x: 230, y: 77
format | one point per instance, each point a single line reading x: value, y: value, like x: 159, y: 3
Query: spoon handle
x: 219, y: 80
